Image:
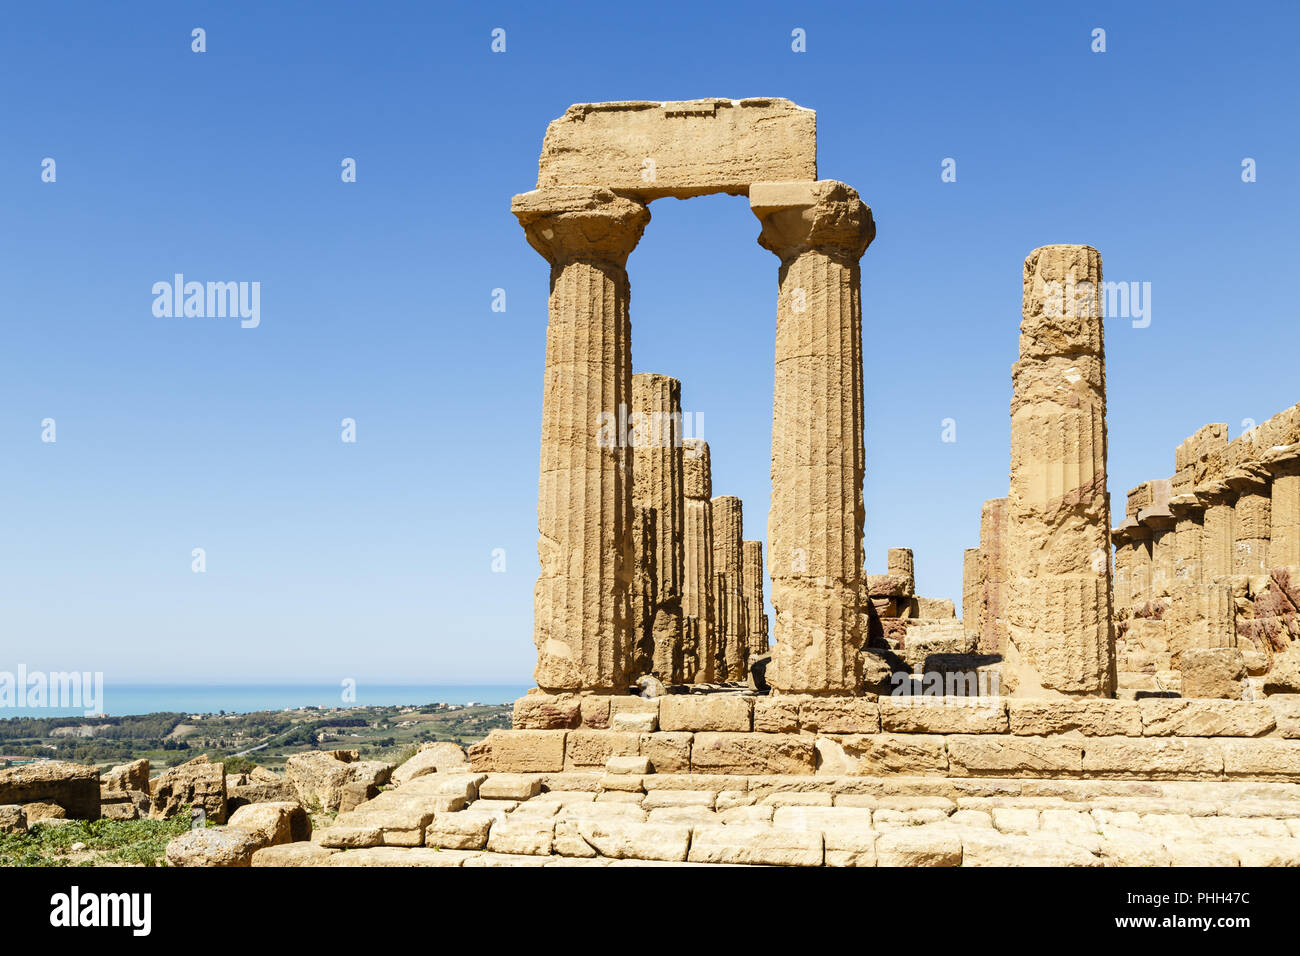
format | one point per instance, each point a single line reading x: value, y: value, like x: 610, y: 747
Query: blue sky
x: 372, y: 560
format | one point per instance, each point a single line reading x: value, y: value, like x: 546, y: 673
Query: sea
x: 121, y: 700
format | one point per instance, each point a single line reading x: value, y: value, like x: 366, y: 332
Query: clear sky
x: 373, y: 559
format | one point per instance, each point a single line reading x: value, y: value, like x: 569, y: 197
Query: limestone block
x: 595, y: 711
x: 1092, y: 718
x: 659, y: 799
x: 528, y: 751
x: 990, y: 848
x: 668, y: 752
x: 547, y: 712
x: 882, y: 755
x: 1261, y: 759
x: 585, y: 749
x: 1212, y: 672
x: 72, y: 786
x: 200, y: 783
x: 1176, y: 717
x: 1286, y: 711
x: 464, y: 830
x: 213, y: 846
x: 839, y: 715
x: 752, y: 753
x: 292, y: 854
x: 692, y: 148
x: 1155, y: 758
x: 776, y: 715
x: 943, y: 715
x: 696, y: 712
x: 531, y: 837
x: 936, y: 845
x: 274, y: 823
x: 636, y: 841
x: 995, y: 756
x: 756, y: 845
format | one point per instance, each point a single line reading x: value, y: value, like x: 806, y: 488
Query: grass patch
x: 106, y: 843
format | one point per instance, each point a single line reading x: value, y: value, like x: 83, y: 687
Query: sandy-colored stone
x: 1059, y: 630
x: 752, y: 753
x: 1092, y: 718
x: 1165, y: 717
x: 819, y: 231
x: 697, y: 712
x: 943, y: 715
x: 680, y: 149
x: 756, y: 844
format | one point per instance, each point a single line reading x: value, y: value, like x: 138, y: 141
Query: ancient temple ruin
x: 1140, y: 653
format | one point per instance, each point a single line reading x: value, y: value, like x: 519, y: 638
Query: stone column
x: 972, y: 593
x: 1123, y: 537
x: 819, y: 231
x: 581, y: 622
x: 1218, y: 536
x: 657, y: 464
x: 993, y: 529
x: 1161, y: 522
x: 1188, y: 533
x: 1284, y: 520
x: 755, y: 615
x: 1251, y: 519
x: 1141, y: 565
x: 728, y: 569
x: 700, y: 649
x: 900, y: 563
x: 1059, y: 628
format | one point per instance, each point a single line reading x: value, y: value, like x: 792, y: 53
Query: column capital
x: 1246, y: 479
x: 569, y: 224
x: 1185, y: 505
x: 1281, y: 460
x: 824, y: 216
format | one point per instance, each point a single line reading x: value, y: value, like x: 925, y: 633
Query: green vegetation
x: 102, y: 843
x: 242, y: 741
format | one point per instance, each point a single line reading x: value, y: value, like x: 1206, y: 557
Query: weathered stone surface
x: 694, y: 147
x: 752, y: 587
x: 510, y: 786
x: 819, y: 231
x: 776, y: 715
x: 879, y: 755
x: 943, y: 715
x: 1008, y: 755
x: 1286, y: 712
x: 273, y: 823
x: 752, y: 753
x: 756, y: 844
x: 1261, y: 759
x: 919, y: 846
x: 1212, y: 672
x: 73, y: 787
x: 591, y: 749
x: 320, y: 775
x: 133, y: 776
x: 1154, y: 758
x: 1166, y: 717
x: 667, y: 752
x: 702, y: 712
x: 214, y: 846
x: 581, y: 620
x: 523, y: 751
x: 198, y: 783
x: 657, y: 471
x: 13, y: 819
x: 699, y: 637
x: 40, y: 812
x: 431, y: 758
x: 728, y: 592
x: 531, y: 836
x: 463, y: 830
x: 1092, y: 718
x: 993, y: 576
x: 292, y: 854
x: 636, y: 841
x: 1059, y: 632
x: 839, y: 715
x: 547, y: 712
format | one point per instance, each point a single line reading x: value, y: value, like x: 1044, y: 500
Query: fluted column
x: 1251, y: 518
x: 1059, y: 625
x: 700, y: 649
x: 755, y: 615
x: 1218, y: 537
x: 993, y: 530
x: 656, y: 424
x: 581, y: 622
x: 819, y: 231
x: 1284, y: 520
x: 728, y: 569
